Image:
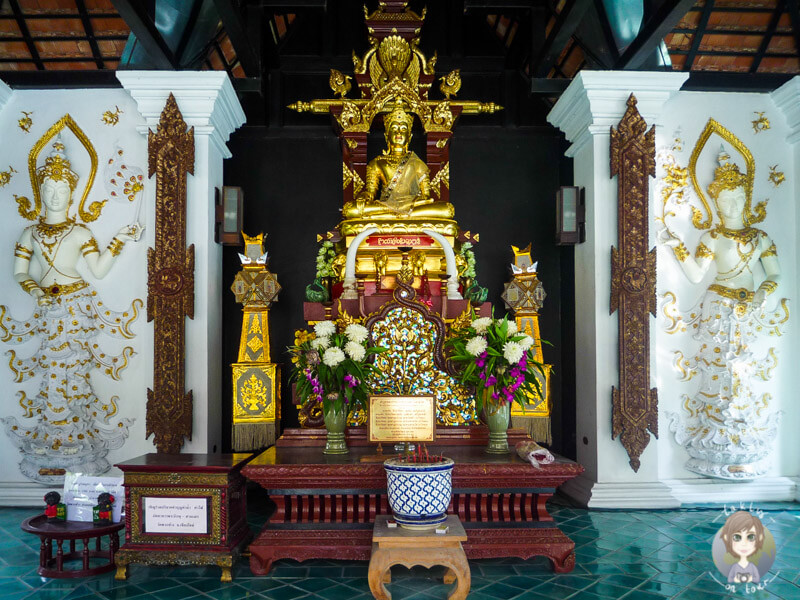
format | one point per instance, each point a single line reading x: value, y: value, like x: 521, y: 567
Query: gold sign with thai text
x: 402, y: 419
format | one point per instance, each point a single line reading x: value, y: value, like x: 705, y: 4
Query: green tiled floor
x: 635, y: 555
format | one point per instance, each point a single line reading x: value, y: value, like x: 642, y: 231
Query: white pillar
x: 5, y: 94
x: 787, y: 100
x: 593, y: 103
x: 208, y: 103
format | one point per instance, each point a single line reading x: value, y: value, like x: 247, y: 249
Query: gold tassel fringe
x: 253, y: 436
x: 537, y: 427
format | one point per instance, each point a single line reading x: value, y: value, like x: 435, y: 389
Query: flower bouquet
x: 332, y: 368
x: 499, y: 362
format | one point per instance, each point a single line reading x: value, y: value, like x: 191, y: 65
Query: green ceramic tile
x: 314, y: 584
x: 570, y: 580
x: 531, y: 595
x: 660, y: 587
x: 14, y: 585
x: 231, y: 591
x: 500, y: 591
x: 553, y: 590
x: 261, y: 584
x: 589, y: 595
x: 158, y: 585
x: 624, y: 580
x: 497, y: 571
x: 642, y: 595
x: 286, y: 592
x: 609, y: 589
x: 130, y: 591
x: 332, y: 592
x: 80, y: 593
x: 526, y: 582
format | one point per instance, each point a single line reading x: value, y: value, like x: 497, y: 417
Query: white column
x: 787, y: 100
x: 5, y: 94
x: 208, y: 103
x: 593, y: 103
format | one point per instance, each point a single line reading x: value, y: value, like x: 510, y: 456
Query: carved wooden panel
x: 170, y: 281
x: 633, y: 284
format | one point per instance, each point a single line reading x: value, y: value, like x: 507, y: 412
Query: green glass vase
x: 335, y: 423
x: 497, y: 415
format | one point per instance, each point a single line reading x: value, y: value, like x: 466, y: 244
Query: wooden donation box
x: 327, y: 504
x: 184, y: 509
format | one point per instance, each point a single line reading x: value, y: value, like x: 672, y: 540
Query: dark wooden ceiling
x: 530, y: 48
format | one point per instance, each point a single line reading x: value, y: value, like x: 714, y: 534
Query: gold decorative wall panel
x: 170, y: 281
x: 633, y: 284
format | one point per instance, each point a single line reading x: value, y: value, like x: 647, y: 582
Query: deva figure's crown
x: 57, y: 166
x: 726, y: 176
x: 398, y: 115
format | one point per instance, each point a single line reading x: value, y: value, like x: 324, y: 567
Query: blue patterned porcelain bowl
x: 419, y: 493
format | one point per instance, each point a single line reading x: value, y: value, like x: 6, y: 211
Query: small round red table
x: 49, y: 530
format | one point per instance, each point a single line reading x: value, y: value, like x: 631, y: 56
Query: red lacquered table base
x: 53, y: 566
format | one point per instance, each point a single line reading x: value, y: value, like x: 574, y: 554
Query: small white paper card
x: 178, y: 516
x: 81, y: 492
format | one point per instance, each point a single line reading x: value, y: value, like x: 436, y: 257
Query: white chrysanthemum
x: 356, y: 333
x: 526, y: 342
x: 482, y: 324
x: 320, y: 343
x: 512, y: 352
x: 333, y: 356
x: 355, y: 351
x: 476, y: 345
x: 512, y: 327
x: 325, y: 328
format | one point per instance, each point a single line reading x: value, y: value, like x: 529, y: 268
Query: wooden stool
x: 426, y: 548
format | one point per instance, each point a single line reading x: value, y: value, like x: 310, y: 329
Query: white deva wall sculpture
x: 727, y: 429
x: 65, y: 426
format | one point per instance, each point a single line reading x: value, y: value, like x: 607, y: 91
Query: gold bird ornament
x: 451, y: 83
x: 340, y: 83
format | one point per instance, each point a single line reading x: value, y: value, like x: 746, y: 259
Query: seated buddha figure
x: 402, y: 177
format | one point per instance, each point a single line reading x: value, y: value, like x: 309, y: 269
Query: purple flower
x: 351, y: 381
x: 482, y: 375
x: 495, y: 395
x: 491, y: 381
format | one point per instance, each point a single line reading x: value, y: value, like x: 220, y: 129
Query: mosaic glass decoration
x: 409, y: 369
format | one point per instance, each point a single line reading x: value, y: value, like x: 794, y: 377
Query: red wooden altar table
x: 326, y: 505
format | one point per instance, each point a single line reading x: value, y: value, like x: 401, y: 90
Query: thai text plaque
x: 401, y: 419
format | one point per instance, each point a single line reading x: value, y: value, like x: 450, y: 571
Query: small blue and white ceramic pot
x: 419, y: 493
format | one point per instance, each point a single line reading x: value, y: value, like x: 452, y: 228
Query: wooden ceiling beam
x: 143, y: 27
x: 660, y: 23
x: 780, y: 7
x: 237, y: 33
x: 697, y: 38
x: 566, y: 23
x: 26, y: 34
x: 794, y: 15
x: 87, y: 26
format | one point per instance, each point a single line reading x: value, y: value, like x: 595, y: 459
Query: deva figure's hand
x: 669, y: 239
x: 759, y: 298
x: 132, y: 232
x: 41, y: 298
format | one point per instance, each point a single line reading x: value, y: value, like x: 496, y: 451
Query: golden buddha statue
x: 403, y: 177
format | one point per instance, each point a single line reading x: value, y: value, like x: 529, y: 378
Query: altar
x: 326, y: 504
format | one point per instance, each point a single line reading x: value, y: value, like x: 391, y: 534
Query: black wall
x: 503, y: 182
